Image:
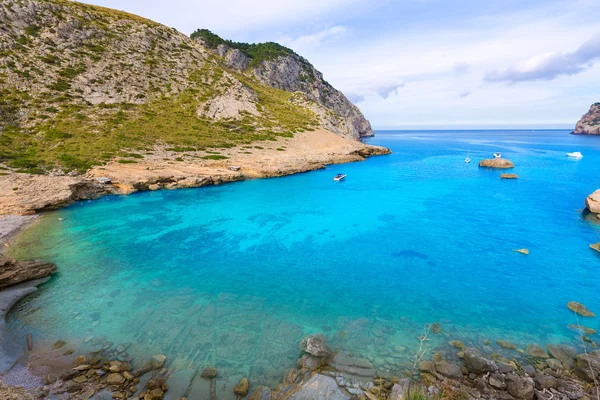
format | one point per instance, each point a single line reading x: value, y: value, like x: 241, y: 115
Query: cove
x: 235, y: 275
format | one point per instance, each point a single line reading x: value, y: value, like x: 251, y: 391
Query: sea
x: 235, y: 275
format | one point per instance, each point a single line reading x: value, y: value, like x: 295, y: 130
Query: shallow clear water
x: 235, y: 275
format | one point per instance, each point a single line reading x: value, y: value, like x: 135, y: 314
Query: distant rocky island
x: 589, y: 124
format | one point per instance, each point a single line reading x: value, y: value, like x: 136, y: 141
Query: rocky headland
x: 589, y: 124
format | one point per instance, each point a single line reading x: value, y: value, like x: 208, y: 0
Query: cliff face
x: 589, y: 124
x: 290, y: 72
x: 81, y: 85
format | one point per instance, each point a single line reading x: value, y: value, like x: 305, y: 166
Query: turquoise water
x: 235, y: 275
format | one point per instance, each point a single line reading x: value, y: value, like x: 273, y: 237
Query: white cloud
x: 306, y: 42
x: 550, y: 66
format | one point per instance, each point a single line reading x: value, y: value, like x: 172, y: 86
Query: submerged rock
x: 496, y: 163
x: 522, y: 251
x: 209, y: 372
x: 241, y: 389
x: 536, y: 351
x: 506, y: 344
x: 158, y: 361
x: 509, y: 176
x: 580, y: 309
x: 319, y: 387
x: 315, y: 345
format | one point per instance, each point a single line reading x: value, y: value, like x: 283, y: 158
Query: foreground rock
x: 509, y: 176
x: 589, y: 124
x: 595, y: 246
x: 502, y: 163
x: 13, y: 272
x: 315, y: 345
x: 592, y: 202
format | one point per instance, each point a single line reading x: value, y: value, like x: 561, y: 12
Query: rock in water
x: 13, y: 272
x: 209, y: 372
x: 509, y: 176
x: 589, y: 124
x: 580, y: 309
x: 595, y: 246
x: 496, y: 163
x: 158, y: 361
x: 536, y: 351
x: 523, y: 251
x: 241, y: 389
x: 115, y: 379
x: 592, y: 202
x: 506, y: 344
x: 315, y: 345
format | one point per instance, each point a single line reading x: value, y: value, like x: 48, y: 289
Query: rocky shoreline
x: 25, y: 194
x: 454, y: 372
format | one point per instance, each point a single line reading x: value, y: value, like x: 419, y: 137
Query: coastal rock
x: 158, y: 361
x: 315, y: 345
x: 115, y: 379
x: 310, y: 362
x: 13, y: 272
x: 536, y: 351
x: 580, y: 309
x: 506, y: 344
x: 566, y: 354
x: 589, y: 124
x: 509, y: 176
x: 523, y: 251
x: 241, y: 389
x: 319, y: 387
x: 209, y: 372
x: 595, y: 246
x: 592, y: 202
x: 477, y: 364
x: 261, y: 393
x: 449, y: 370
x: 501, y: 163
x: 520, y: 387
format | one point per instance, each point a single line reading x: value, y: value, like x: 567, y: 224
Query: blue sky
x: 424, y: 63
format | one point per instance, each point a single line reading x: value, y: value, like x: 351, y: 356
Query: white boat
x: 339, y: 177
x: 575, y: 154
x: 497, y: 155
x: 467, y: 160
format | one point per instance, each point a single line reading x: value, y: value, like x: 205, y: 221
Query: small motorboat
x: 467, y: 160
x: 497, y: 155
x: 575, y: 154
x: 339, y: 177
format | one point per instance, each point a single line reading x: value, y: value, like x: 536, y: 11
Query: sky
x: 424, y: 64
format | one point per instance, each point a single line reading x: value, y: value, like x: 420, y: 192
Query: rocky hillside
x: 281, y: 68
x: 81, y: 85
x: 589, y: 124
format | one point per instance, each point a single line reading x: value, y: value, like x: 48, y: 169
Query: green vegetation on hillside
x: 257, y: 52
x: 79, y: 136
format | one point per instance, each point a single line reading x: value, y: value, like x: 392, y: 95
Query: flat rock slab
x: 178, y: 383
x: 320, y: 387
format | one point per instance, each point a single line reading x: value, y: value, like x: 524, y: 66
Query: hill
x: 82, y: 85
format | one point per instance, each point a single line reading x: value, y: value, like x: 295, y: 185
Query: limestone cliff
x: 589, y: 124
x: 81, y: 85
x: 281, y: 68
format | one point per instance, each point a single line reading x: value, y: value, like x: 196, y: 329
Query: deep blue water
x: 235, y: 275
